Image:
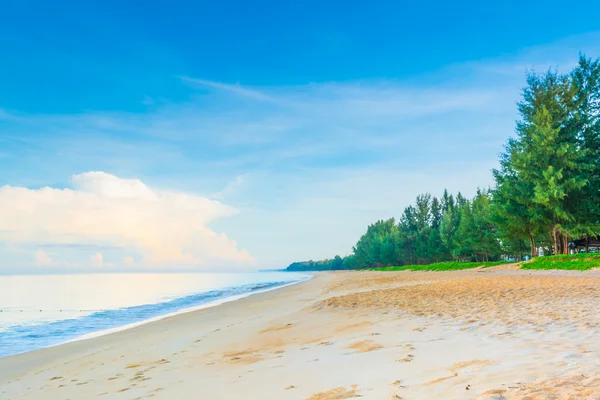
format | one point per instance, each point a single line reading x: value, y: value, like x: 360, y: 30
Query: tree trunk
x: 561, y: 247
x: 587, y: 243
x: 555, y: 240
x: 533, y: 249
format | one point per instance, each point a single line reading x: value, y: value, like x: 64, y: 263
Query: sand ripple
x: 522, y: 299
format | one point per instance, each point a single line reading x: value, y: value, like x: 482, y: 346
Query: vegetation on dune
x: 579, y: 262
x: 547, y: 193
x: 442, y: 266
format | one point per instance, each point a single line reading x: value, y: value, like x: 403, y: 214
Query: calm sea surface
x: 44, y: 310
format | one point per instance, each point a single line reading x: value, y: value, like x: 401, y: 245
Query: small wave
x: 26, y: 337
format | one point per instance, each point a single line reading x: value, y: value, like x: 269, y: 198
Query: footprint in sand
x: 248, y: 356
x: 276, y: 328
x: 461, y: 367
x: 471, y: 365
x: 365, y: 346
x: 152, y: 393
x: 339, y: 393
x: 406, y: 359
x: 139, y: 376
x: 442, y: 379
x: 144, y: 364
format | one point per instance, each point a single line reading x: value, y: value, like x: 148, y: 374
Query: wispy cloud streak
x: 236, y: 89
x: 311, y: 162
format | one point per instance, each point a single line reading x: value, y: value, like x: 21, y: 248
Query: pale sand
x: 479, y: 334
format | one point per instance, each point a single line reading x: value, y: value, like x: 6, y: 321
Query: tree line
x: 547, y: 189
x: 431, y: 230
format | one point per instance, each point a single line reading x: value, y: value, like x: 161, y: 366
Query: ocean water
x: 44, y: 310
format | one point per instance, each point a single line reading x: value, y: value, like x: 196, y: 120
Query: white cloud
x: 321, y: 160
x: 166, y: 228
x: 324, y: 213
x: 236, y: 89
x: 230, y: 188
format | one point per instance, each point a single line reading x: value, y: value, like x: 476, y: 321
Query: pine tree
x: 423, y: 228
x: 518, y: 218
x: 487, y: 245
x: 437, y: 251
x: 586, y: 81
x: 552, y: 161
x: 547, y: 188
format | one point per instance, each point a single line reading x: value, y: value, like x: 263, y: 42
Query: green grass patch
x: 442, y: 266
x: 577, y: 262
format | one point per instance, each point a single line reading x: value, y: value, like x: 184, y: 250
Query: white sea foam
x: 182, y: 311
x: 48, y: 310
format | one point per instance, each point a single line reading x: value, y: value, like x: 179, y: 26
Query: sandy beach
x: 495, y: 333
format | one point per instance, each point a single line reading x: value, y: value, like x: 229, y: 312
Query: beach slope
x: 477, y: 334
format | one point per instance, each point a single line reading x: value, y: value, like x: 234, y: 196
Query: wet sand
x: 494, y: 333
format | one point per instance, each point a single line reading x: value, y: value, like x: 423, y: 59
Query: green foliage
x: 547, y: 192
x: 548, y: 186
x: 336, y: 263
x: 579, y: 262
x: 378, y: 245
x: 425, y: 234
x: 442, y: 266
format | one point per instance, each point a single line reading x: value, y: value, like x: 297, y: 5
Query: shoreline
x: 132, y: 325
x: 46, y: 354
x: 422, y: 335
x: 210, y: 304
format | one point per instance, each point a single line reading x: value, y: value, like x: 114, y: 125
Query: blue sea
x: 44, y: 310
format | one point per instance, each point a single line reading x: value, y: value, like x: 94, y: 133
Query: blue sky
x: 286, y: 128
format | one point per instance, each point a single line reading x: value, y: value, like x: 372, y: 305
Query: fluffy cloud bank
x: 163, y: 228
